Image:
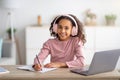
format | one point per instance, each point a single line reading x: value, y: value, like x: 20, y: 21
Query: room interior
x: 33, y: 17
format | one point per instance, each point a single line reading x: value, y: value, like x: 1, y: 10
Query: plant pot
x: 110, y: 22
x: 90, y: 21
x: 9, y: 36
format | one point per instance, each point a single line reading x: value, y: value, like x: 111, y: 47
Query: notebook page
x: 29, y: 68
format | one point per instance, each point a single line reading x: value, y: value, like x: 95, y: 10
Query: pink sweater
x: 69, y: 51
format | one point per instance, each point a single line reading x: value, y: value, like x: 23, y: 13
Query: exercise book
x: 29, y: 68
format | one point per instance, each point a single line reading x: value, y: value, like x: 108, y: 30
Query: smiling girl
x: 66, y: 48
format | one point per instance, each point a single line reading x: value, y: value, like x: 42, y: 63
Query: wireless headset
x: 74, y: 29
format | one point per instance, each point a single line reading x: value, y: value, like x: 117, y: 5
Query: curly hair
x: 80, y: 34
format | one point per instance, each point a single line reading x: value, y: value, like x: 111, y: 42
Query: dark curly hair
x: 80, y: 34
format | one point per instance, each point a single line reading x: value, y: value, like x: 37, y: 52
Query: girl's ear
x: 55, y: 28
x: 74, y: 31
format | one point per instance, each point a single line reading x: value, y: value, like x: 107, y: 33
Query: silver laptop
x: 102, y: 61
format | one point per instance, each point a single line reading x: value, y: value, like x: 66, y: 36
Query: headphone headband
x: 69, y: 17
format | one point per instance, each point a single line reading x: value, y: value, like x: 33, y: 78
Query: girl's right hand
x: 37, y: 67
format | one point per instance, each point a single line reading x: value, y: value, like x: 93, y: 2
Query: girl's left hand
x: 55, y: 65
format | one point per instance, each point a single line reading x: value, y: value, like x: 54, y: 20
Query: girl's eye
x: 59, y: 27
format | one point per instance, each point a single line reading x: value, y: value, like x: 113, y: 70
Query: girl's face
x: 64, y: 29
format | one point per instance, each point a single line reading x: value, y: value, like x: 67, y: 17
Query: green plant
x: 110, y: 17
x: 9, y: 30
x: 90, y: 14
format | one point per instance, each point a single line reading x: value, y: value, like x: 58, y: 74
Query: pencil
x: 38, y: 60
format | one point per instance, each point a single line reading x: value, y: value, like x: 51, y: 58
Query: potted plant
x: 90, y: 18
x: 110, y: 19
x: 9, y: 32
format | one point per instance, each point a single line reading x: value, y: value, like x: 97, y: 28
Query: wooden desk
x: 58, y: 74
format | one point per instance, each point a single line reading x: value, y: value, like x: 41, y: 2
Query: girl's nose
x: 63, y: 30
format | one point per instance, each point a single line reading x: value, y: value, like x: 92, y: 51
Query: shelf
x: 98, y: 38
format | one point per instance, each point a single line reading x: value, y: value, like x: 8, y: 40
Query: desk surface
x: 58, y: 74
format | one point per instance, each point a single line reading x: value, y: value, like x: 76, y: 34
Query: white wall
x: 28, y: 11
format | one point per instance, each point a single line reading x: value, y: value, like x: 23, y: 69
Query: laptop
x: 102, y: 61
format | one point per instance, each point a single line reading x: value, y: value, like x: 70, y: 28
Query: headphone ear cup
x: 55, y: 28
x: 74, y: 31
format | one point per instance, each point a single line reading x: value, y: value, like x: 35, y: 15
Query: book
x: 29, y: 68
x: 3, y: 70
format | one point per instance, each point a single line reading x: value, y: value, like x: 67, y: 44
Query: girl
x: 66, y: 48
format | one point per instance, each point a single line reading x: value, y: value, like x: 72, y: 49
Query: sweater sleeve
x: 43, y: 53
x: 79, y: 58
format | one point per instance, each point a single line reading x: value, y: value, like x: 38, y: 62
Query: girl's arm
x: 79, y: 61
x: 43, y: 53
x: 56, y: 65
x: 41, y: 57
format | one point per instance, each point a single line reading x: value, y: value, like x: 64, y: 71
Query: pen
x: 38, y: 60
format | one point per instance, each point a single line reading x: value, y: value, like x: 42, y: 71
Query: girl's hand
x: 37, y: 67
x: 56, y: 65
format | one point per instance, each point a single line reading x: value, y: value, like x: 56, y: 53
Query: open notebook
x: 3, y: 70
x: 29, y: 68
